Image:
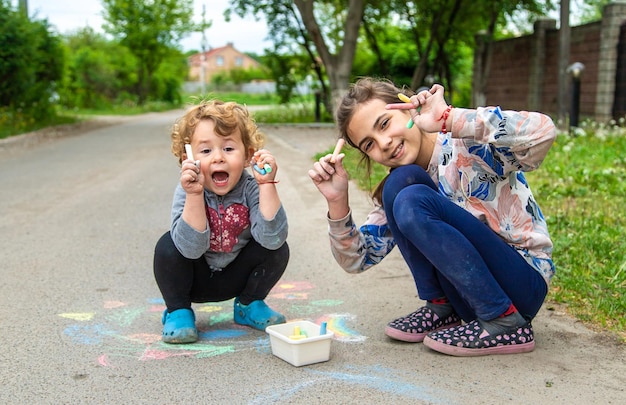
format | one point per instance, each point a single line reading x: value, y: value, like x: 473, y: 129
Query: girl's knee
x: 403, y: 177
x: 412, y: 205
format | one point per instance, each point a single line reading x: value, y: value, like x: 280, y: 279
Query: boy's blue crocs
x: 257, y: 314
x: 179, y: 326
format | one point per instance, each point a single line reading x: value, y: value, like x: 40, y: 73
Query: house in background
x: 219, y: 60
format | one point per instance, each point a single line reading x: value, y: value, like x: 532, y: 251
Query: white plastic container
x: 314, y: 348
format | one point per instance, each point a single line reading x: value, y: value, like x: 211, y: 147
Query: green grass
x: 241, y: 98
x: 581, y: 188
x: 582, y: 192
x: 15, y: 123
x: 300, y: 110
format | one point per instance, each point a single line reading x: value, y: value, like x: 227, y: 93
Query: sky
x: 247, y: 35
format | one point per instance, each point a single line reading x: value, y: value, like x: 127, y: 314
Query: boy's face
x: 222, y: 158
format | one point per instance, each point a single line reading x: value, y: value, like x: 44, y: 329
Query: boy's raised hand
x: 191, y: 177
x: 264, y: 166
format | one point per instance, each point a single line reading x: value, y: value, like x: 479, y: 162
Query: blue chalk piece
x: 323, y: 328
x: 267, y: 167
x: 258, y: 169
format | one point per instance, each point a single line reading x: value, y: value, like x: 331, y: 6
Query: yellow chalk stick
x: 404, y: 98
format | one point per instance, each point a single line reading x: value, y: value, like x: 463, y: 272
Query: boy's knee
x: 165, y: 246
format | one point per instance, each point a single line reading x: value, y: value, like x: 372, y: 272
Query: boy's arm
x: 269, y: 201
x: 188, y: 240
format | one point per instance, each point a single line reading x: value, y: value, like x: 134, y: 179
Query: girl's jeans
x: 250, y: 276
x: 453, y: 254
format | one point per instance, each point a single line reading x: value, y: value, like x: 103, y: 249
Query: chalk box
x: 315, y: 348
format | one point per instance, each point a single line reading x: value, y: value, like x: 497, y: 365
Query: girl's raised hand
x: 426, y: 108
x: 331, y: 178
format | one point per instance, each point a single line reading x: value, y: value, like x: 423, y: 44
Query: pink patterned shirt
x: 479, y: 166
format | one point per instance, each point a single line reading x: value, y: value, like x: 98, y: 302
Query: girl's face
x: 222, y: 158
x: 382, y: 134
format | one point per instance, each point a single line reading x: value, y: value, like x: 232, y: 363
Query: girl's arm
x: 358, y: 250
x: 354, y: 250
x: 522, y: 139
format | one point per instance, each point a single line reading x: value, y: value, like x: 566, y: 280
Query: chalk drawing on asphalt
x: 114, y: 326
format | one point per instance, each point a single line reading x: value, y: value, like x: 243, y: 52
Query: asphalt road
x: 80, y: 311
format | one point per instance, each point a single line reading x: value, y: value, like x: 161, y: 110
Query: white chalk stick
x: 188, y: 151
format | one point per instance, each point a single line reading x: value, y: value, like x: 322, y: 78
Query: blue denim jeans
x: 452, y: 254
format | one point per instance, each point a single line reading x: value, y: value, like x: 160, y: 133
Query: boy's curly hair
x: 227, y: 116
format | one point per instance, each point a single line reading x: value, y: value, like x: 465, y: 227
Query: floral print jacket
x: 479, y: 166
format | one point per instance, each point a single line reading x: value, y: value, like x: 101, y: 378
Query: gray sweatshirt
x: 232, y: 221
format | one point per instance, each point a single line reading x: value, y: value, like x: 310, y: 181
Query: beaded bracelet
x: 444, y: 117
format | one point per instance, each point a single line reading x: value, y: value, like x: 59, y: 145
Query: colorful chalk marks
x: 114, y: 326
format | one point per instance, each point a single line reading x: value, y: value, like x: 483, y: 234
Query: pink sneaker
x: 472, y: 340
x: 416, y: 325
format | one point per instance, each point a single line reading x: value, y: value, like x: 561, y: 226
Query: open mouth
x: 220, y: 178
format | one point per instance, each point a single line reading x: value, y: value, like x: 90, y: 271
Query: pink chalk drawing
x: 119, y: 327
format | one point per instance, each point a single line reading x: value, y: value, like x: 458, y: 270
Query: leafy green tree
x: 169, y: 77
x: 590, y: 10
x: 327, y: 31
x: 412, y: 42
x: 290, y: 43
x: 443, y: 35
x: 150, y: 30
x: 287, y: 71
x: 31, y: 64
x: 99, y: 71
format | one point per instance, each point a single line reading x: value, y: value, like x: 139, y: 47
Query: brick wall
x: 524, y: 70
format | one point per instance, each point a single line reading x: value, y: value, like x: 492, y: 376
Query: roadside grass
x: 15, y: 123
x: 581, y: 189
x: 582, y: 192
x: 241, y: 98
x: 300, y: 110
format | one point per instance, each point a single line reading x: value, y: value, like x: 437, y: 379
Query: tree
x: 292, y: 46
x: 338, y: 64
x: 150, y: 30
x: 99, y: 71
x: 335, y: 45
x: 443, y: 34
x: 31, y: 64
